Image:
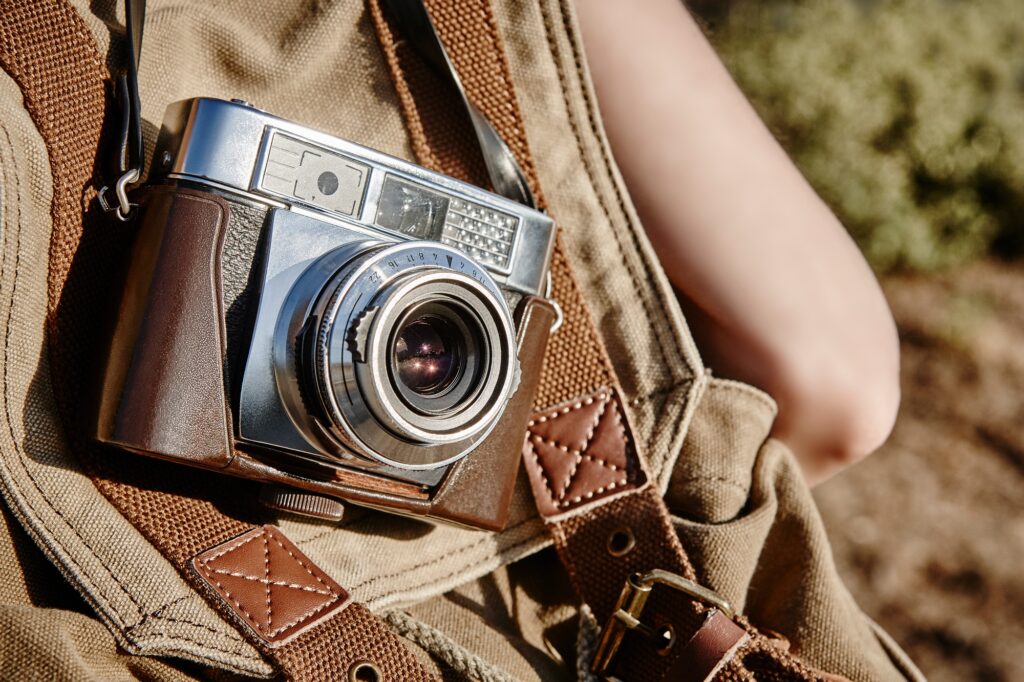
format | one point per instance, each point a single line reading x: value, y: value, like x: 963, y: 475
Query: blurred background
x: 907, y: 116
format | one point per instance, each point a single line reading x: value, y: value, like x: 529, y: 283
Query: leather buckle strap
x: 611, y: 528
x: 721, y: 637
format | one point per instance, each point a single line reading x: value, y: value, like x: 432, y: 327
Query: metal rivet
x: 621, y: 542
x: 364, y: 671
x: 666, y: 639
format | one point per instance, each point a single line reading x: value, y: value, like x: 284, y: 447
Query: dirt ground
x: 929, y: 531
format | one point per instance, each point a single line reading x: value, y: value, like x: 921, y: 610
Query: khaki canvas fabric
x: 743, y: 512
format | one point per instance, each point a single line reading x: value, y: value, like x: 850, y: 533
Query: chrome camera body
x: 372, y: 309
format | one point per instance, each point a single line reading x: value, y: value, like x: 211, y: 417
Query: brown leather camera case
x: 167, y: 382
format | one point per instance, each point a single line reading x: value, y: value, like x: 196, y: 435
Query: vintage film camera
x: 330, y: 320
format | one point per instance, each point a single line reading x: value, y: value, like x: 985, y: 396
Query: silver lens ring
x: 468, y: 303
x: 359, y: 313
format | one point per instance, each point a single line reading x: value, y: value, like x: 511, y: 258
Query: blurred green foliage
x: 907, y: 116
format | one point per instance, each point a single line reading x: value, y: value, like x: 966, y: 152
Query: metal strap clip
x: 627, y: 612
x: 129, y: 133
x: 123, y: 208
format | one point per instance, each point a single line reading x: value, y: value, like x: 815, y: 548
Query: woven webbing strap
x: 299, y: 617
x: 587, y: 476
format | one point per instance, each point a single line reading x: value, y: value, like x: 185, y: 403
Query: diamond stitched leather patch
x: 579, y: 452
x: 269, y: 584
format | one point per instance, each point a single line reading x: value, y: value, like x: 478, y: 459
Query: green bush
x: 907, y: 116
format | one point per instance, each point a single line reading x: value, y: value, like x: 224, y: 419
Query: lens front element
x: 429, y: 355
x: 440, y: 351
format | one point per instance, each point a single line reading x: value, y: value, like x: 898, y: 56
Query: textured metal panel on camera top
x: 314, y: 175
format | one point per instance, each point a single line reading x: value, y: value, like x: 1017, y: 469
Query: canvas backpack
x: 708, y: 517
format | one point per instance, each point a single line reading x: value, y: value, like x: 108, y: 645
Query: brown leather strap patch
x: 296, y: 613
x: 580, y: 452
x: 270, y: 584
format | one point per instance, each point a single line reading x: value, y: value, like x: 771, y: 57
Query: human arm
x: 776, y: 292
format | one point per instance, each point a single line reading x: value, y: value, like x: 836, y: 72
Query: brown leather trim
x: 269, y: 584
x: 164, y: 390
x: 495, y: 461
x: 581, y: 452
x: 713, y: 645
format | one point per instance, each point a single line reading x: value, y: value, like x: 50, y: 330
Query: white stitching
x: 540, y: 469
x: 266, y: 576
x: 266, y: 534
x: 608, y: 398
x: 267, y: 581
x: 578, y: 454
x: 305, y: 616
x: 231, y: 547
x: 611, y: 486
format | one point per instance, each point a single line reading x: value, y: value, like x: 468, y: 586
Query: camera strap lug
x: 128, y: 167
x: 559, y: 314
x: 122, y: 209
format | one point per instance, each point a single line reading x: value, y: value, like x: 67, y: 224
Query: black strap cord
x: 413, y: 22
x: 129, y: 134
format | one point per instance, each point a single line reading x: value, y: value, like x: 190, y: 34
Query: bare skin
x: 776, y: 292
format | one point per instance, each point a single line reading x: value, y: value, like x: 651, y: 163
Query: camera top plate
x: 234, y: 146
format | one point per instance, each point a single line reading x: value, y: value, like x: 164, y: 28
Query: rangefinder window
x: 486, y: 234
x: 411, y: 210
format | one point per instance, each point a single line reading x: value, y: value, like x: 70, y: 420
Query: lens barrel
x: 409, y: 353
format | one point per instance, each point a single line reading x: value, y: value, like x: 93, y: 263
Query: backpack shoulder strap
x: 299, y: 617
x: 608, y: 521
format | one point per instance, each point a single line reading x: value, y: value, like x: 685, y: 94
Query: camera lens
x: 437, y: 356
x: 429, y: 355
x: 407, y: 353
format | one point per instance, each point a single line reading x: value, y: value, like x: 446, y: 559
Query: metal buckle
x: 630, y: 606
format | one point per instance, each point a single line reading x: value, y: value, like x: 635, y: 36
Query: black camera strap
x: 412, y: 20
x: 128, y: 166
